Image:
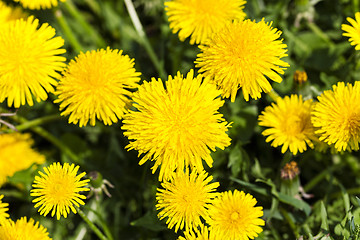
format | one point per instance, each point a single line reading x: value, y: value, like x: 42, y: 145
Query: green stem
x: 350, y: 191
x: 45, y: 134
x: 82, y: 228
x: 70, y: 6
x: 67, y: 31
x: 37, y: 122
x: 273, y: 95
x: 90, y: 224
x: 63, y: 148
x: 94, y: 6
x: 290, y: 222
x: 144, y: 40
x: 318, y: 178
x: 308, y: 231
x: 355, y: 5
x: 320, y: 33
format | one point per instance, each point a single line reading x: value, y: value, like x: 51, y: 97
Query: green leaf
x: 149, y: 221
x: 324, y: 222
x: 297, y: 203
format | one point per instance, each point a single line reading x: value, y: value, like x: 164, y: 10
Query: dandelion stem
x: 94, y: 6
x: 67, y: 31
x: 290, y: 222
x: 355, y: 5
x: 91, y: 216
x: 70, y: 6
x: 318, y: 178
x: 90, y: 224
x: 320, y: 33
x: 37, y: 122
x: 144, y: 40
x: 51, y: 138
x: 273, y: 95
x: 34, y: 126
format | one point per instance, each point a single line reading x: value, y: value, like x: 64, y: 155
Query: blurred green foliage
x: 312, y: 32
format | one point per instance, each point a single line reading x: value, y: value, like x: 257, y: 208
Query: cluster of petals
x: 176, y: 125
x: 58, y: 188
x: 29, y: 61
x: 22, y: 229
x: 200, y: 19
x: 288, y: 123
x: 244, y: 54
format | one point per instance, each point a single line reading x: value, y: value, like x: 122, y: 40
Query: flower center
x: 235, y: 216
x: 294, y: 124
x: 352, y: 124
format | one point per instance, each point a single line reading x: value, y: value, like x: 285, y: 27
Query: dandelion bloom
x: 353, y: 30
x: 177, y: 126
x: 184, y: 199
x: 289, y: 124
x: 201, y: 18
x: 198, y: 234
x: 39, y: 4
x: 9, y: 14
x: 233, y: 215
x: 337, y: 116
x: 97, y: 85
x: 23, y: 230
x: 16, y: 154
x: 28, y: 61
x: 3, y: 209
x: 243, y: 55
x: 57, y: 190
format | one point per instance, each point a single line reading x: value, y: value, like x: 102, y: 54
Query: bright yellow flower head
x: 3, y: 210
x: 243, y: 55
x: 233, y: 216
x: 39, y: 4
x: 16, y: 154
x: 23, y: 230
x: 201, y: 18
x: 178, y: 126
x: 185, y: 198
x: 198, y: 234
x: 337, y: 116
x: 289, y: 124
x: 8, y: 14
x: 57, y: 190
x: 28, y: 61
x: 353, y: 30
x: 97, y: 85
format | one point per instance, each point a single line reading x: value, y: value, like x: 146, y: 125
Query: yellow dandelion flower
x: 39, y: 4
x: 337, y: 116
x: 233, y: 216
x: 185, y: 198
x: 353, y: 30
x: 23, y: 230
x: 16, y: 154
x: 178, y: 126
x: 243, y: 55
x: 57, y: 190
x: 28, y: 61
x: 8, y: 14
x: 3, y: 210
x: 198, y: 234
x: 289, y: 124
x: 201, y: 18
x: 97, y: 85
